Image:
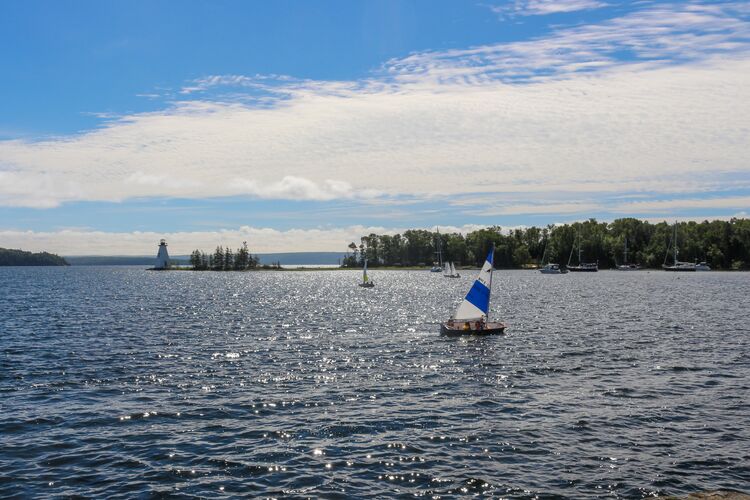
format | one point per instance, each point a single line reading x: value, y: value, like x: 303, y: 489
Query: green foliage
x: 224, y: 259
x: 10, y: 257
x: 723, y: 244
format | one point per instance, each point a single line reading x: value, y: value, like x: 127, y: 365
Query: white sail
x: 476, y: 304
x: 364, y: 273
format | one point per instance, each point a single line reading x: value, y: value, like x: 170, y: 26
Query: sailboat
x: 676, y: 264
x: 550, y: 267
x: 450, y: 271
x: 438, y: 268
x: 625, y: 266
x: 471, y: 316
x: 366, y: 281
x: 582, y: 267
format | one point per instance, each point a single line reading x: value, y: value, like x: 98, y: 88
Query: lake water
x: 117, y: 382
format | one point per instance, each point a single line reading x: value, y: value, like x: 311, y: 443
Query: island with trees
x: 10, y: 257
x: 224, y: 259
x: 722, y: 244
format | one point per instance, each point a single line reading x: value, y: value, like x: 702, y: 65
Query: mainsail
x: 476, y: 304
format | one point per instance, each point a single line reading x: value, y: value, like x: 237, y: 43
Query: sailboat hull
x: 679, y: 269
x: 582, y: 269
x: 458, y: 328
x: 367, y: 285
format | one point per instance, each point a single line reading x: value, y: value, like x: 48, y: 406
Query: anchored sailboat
x: 471, y: 316
x: 582, y: 267
x: 366, y: 281
x: 676, y: 264
x: 438, y: 268
x: 625, y: 266
x: 450, y: 271
x: 550, y: 267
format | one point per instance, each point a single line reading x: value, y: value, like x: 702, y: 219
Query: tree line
x: 10, y: 257
x: 722, y: 244
x: 224, y: 259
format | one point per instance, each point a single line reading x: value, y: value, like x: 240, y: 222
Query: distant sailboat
x: 702, y: 266
x: 582, y: 267
x: 438, y: 268
x: 676, y: 266
x: 625, y: 266
x: 550, y: 267
x: 450, y: 271
x: 471, y: 316
x: 366, y: 281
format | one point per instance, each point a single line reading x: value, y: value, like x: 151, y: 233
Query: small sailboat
x: 366, y: 281
x: 582, y: 267
x: 438, y: 267
x: 550, y: 267
x: 625, y: 266
x: 676, y: 266
x: 702, y: 266
x: 450, y: 271
x: 471, y: 316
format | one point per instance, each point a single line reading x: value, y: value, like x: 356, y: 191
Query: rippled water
x: 117, y: 382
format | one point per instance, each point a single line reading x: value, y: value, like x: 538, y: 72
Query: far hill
x: 22, y: 258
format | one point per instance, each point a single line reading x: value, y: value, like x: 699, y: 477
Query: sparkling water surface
x: 117, y: 382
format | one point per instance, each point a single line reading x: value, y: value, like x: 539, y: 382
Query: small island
x: 10, y: 257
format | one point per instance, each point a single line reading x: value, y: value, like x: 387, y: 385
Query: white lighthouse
x: 162, y: 258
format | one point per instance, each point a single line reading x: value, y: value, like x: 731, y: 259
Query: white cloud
x: 544, y: 7
x: 666, y: 206
x: 441, y: 125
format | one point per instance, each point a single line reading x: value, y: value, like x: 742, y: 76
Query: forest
x: 722, y: 244
x: 224, y: 259
x: 22, y: 258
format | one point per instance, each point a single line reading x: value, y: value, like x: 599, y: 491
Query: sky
x: 301, y: 126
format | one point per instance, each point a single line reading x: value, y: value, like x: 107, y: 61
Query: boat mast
x: 626, y: 250
x: 439, y: 248
x: 489, y: 295
x: 570, y: 257
x: 675, y: 242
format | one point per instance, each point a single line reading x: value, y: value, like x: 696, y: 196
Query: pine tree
x: 242, y: 261
x: 195, y: 260
x: 217, y: 263
x: 228, y: 259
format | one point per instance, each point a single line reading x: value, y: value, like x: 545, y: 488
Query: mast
x: 626, y: 250
x: 675, y: 242
x: 492, y: 271
x: 570, y: 257
x: 439, y: 248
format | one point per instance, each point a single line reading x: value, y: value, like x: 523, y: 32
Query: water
x: 117, y: 382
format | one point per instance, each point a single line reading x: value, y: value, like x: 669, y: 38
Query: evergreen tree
x: 228, y: 259
x: 217, y: 263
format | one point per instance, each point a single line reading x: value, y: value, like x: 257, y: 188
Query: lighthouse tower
x: 162, y: 258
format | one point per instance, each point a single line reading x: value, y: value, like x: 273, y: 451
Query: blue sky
x: 275, y: 122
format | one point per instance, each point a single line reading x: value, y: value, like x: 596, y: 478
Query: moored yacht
x: 625, y: 266
x: 582, y: 267
x: 676, y: 266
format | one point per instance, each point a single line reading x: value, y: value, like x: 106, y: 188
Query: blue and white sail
x: 476, y: 304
